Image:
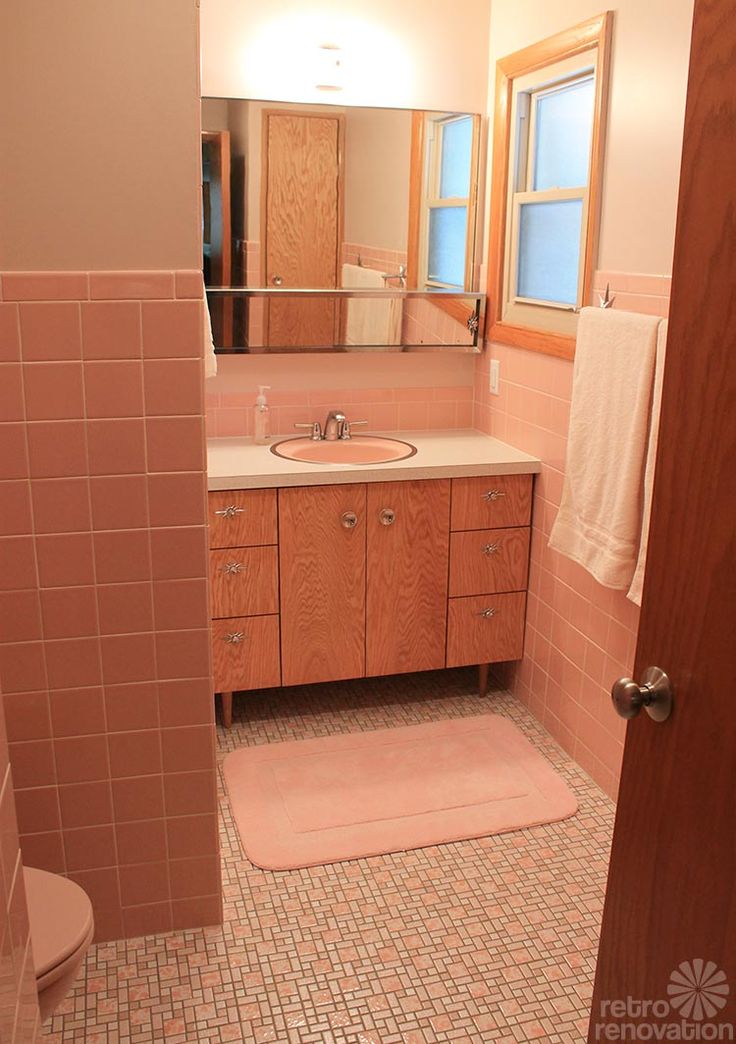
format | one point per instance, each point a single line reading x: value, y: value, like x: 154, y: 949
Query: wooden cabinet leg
x: 226, y: 705
x: 483, y: 679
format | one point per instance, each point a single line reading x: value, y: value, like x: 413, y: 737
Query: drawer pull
x: 231, y: 568
x: 349, y: 519
x: 492, y: 549
x: 487, y: 613
x: 494, y: 494
x: 234, y: 638
x: 387, y: 517
x: 230, y: 511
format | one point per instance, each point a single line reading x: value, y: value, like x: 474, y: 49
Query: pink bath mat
x: 308, y: 802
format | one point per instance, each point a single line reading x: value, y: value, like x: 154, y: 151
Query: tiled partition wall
x: 19, y: 1014
x: 105, y: 659
x: 580, y: 636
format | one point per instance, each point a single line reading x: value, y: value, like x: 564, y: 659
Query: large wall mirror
x: 331, y: 228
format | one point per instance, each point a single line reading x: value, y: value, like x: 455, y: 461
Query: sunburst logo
x: 698, y: 989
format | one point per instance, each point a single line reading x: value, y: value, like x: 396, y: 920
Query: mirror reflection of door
x: 301, y: 218
x: 216, y: 229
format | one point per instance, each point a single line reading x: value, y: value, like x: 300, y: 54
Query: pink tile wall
x: 104, y: 651
x: 580, y: 636
x: 230, y: 414
x: 19, y: 1015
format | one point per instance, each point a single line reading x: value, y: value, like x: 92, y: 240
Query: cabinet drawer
x: 487, y: 560
x: 242, y: 517
x: 251, y: 661
x: 491, y: 501
x: 473, y: 637
x: 244, y: 581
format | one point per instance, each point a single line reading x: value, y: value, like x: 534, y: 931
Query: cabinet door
x: 322, y: 560
x: 406, y: 602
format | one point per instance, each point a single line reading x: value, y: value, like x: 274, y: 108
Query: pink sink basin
x: 360, y: 449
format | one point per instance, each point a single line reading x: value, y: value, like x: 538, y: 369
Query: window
x: 443, y: 197
x: 546, y: 172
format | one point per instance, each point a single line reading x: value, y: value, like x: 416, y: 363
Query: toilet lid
x: 60, y: 916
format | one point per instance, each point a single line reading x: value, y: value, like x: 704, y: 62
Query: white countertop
x: 240, y: 464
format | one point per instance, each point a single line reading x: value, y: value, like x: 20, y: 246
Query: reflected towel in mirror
x: 370, y: 321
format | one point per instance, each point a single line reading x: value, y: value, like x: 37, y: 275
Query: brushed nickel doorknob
x: 387, y: 517
x: 654, y: 695
x: 349, y: 519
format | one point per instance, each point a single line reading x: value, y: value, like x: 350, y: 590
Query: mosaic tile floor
x: 486, y: 940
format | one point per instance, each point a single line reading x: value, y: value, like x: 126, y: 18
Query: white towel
x: 370, y: 321
x: 638, y: 581
x: 208, y: 341
x: 599, y: 521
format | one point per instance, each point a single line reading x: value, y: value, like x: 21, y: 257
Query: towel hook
x: 606, y: 300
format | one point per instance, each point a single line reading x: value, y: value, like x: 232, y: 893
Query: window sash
x: 518, y: 310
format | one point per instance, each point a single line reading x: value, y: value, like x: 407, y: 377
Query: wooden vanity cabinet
x: 322, y: 556
x: 407, y: 550
x: 321, y: 583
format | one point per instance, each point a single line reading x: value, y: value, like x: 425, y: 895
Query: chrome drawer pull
x: 487, y: 613
x: 230, y: 511
x: 494, y: 494
x: 492, y: 549
x: 231, y: 568
x: 234, y: 638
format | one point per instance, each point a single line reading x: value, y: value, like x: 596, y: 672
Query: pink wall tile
x: 50, y: 331
x: 44, y: 286
x: 83, y: 475
x: 111, y: 330
x: 130, y: 286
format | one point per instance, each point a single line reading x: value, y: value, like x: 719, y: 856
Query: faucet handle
x: 347, y: 427
x: 314, y: 427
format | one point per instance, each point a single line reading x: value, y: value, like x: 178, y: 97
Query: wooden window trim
x: 591, y: 34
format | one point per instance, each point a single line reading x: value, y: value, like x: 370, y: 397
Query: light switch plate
x: 495, y: 375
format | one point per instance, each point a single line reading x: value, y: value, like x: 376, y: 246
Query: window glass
x: 564, y: 125
x: 447, y: 230
x: 457, y: 148
x: 549, y: 251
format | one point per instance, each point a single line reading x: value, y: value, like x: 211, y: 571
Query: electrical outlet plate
x: 495, y: 375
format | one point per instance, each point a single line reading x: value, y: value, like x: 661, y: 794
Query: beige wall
x: 377, y: 159
x: 651, y: 46
x: 100, y: 141
x: 408, y: 53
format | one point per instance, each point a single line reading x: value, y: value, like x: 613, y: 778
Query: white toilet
x: 62, y: 927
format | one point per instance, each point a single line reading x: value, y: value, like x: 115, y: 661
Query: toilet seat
x: 61, y: 924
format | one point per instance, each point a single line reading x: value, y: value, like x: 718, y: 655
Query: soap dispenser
x: 261, y: 417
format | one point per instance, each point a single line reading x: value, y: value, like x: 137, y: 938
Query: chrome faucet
x: 334, y: 426
x: 337, y: 426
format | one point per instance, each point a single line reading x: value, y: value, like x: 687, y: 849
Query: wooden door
x: 217, y: 230
x: 302, y: 223
x: 671, y: 898
x: 408, y: 540
x: 322, y: 565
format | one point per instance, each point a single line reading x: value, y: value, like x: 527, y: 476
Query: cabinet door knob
x: 230, y: 568
x: 230, y: 511
x: 349, y: 519
x: 494, y: 494
x: 387, y: 517
x: 492, y: 549
x: 234, y: 638
x: 487, y: 613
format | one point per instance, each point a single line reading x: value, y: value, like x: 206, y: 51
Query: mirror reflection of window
x: 444, y: 191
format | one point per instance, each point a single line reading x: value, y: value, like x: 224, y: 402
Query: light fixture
x: 329, y: 67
